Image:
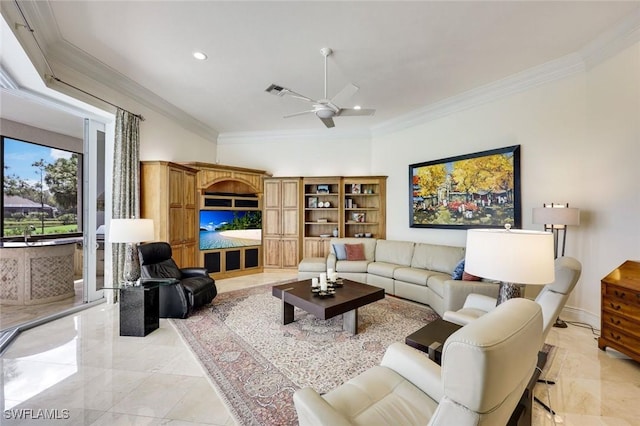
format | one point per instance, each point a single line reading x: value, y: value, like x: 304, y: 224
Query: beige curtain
x: 126, y: 180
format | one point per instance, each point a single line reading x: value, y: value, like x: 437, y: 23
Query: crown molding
x: 6, y: 81
x: 304, y: 135
x: 59, y: 51
x: 619, y: 37
x: 515, y: 83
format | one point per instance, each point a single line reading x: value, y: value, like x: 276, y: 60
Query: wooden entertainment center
x: 175, y: 194
x: 299, y: 214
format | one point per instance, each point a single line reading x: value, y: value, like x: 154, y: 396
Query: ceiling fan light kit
x: 325, y: 109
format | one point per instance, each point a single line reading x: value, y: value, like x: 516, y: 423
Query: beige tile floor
x: 80, y: 363
x: 12, y: 315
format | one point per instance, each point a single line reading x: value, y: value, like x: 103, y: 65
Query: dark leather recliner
x: 196, y: 288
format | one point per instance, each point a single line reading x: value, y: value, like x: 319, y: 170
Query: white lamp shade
x: 556, y: 216
x: 130, y: 230
x: 512, y: 256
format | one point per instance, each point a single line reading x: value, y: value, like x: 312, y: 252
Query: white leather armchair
x: 485, y: 369
x: 551, y: 299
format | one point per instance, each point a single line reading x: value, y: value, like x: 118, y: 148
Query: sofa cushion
x: 458, y: 271
x: 412, y: 275
x: 398, y: 252
x: 436, y: 282
x: 382, y: 269
x: 470, y: 277
x: 436, y: 257
x: 340, y: 251
x: 355, y: 251
x: 351, y: 266
x: 368, y: 243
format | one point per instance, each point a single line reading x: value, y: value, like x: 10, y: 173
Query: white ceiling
x: 403, y: 55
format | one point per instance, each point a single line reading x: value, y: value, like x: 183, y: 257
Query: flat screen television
x: 221, y: 229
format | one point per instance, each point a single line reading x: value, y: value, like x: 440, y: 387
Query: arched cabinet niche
x: 229, y: 219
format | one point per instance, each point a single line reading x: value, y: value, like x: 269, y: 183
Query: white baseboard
x: 580, y: 315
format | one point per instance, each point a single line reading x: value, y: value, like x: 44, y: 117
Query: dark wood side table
x: 430, y: 338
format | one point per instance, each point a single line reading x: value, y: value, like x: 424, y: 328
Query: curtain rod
x: 53, y: 74
x: 93, y: 96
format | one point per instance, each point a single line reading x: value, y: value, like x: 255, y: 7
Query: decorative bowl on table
x: 327, y: 293
x: 325, y: 235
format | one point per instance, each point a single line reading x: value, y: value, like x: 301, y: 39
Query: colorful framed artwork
x: 480, y: 190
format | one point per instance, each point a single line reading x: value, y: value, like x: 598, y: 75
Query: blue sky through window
x: 19, y: 157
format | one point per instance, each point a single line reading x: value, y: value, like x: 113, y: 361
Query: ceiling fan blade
x: 276, y: 89
x: 328, y: 122
x: 345, y: 94
x: 295, y: 114
x: 299, y: 96
x: 346, y: 112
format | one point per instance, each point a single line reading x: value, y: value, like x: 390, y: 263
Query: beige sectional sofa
x: 414, y: 271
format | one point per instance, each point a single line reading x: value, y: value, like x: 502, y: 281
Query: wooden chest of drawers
x: 620, y: 310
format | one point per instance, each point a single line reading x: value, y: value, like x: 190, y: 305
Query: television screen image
x: 230, y: 228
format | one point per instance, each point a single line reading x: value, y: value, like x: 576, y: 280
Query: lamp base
x: 560, y: 324
x: 508, y: 291
x: 131, y: 272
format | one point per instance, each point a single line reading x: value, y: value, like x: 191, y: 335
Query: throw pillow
x: 469, y: 277
x: 341, y: 251
x: 355, y: 251
x: 458, y: 270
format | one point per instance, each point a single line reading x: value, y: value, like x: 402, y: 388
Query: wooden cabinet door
x: 272, y: 194
x: 290, y: 252
x: 189, y: 190
x: 176, y: 188
x: 272, y: 252
x: 290, y: 208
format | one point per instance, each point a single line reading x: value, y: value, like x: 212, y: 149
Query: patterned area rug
x: 258, y: 363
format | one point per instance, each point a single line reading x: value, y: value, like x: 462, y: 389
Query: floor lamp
x: 131, y: 232
x: 555, y: 218
x: 512, y: 256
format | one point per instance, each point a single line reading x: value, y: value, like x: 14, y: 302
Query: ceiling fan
x: 325, y: 109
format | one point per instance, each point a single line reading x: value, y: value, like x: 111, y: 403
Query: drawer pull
x: 615, y: 337
x: 616, y: 307
x: 620, y: 294
x: 615, y: 321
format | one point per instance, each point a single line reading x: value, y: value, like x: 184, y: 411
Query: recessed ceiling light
x: 199, y: 56
x: 357, y: 107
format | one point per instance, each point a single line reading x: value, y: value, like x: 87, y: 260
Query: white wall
x: 580, y: 143
x: 299, y: 156
x: 163, y: 139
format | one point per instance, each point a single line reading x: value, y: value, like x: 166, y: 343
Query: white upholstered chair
x: 485, y: 369
x: 552, y: 298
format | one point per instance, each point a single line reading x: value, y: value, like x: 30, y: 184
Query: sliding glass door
x: 96, y: 205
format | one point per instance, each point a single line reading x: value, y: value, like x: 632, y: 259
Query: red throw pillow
x: 355, y: 251
x: 468, y: 277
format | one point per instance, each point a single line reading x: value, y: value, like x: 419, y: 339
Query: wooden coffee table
x: 347, y: 299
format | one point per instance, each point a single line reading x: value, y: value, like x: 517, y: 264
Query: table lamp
x: 513, y: 257
x: 131, y: 232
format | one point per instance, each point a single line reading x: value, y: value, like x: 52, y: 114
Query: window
x: 41, y: 190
